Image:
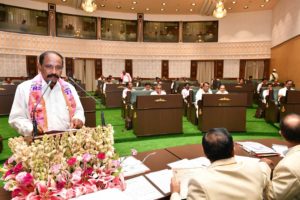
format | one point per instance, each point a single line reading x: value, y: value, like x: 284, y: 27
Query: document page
x: 111, y: 194
x: 161, y: 179
x: 132, y: 166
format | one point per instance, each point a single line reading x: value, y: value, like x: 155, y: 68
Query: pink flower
x: 134, y: 152
x: 16, y: 192
x: 60, y: 185
x: 24, y: 178
x: 56, y: 168
x: 88, y: 171
x: 86, y: 157
x: 11, y: 160
x: 9, y: 172
x: 101, y: 156
x: 71, y: 161
x: 18, y: 168
x: 76, y: 176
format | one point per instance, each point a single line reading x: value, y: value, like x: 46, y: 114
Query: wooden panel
x: 69, y: 67
x: 266, y: 68
x: 193, y: 69
x: 98, y: 68
x: 165, y: 68
x: 31, y: 66
x: 242, y: 68
x: 128, y: 66
x: 218, y: 69
x: 285, y: 58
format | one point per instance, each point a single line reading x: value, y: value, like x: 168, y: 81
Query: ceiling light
x: 193, y: 4
x: 63, y: 0
x: 162, y: 9
x: 89, y: 5
x: 219, y: 11
x: 229, y: 8
x: 164, y: 4
x: 262, y: 5
x: 233, y: 2
x: 176, y: 9
x: 267, y: 1
x: 102, y: 5
x: 119, y: 7
x: 132, y: 8
x: 134, y: 2
x: 191, y: 10
x: 246, y: 7
x: 147, y: 9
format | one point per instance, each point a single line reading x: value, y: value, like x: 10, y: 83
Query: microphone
x: 34, y: 122
x: 97, y: 101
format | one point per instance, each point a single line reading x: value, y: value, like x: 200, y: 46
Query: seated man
x: 108, y: 81
x: 125, y: 77
x: 204, y: 90
x: 147, y: 87
x: 261, y: 84
x: 7, y: 81
x: 185, y: 92
x: 226, y: 178
x: 285, y: 183
x: 266, y: 93
x: 158, y: 90
x: 129, y: 87
x: 282, y: 91
x: 222, y: 90
x: 58, y: 109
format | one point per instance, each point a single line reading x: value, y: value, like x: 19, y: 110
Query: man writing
x: 59, y: 108
x: 226, y: 178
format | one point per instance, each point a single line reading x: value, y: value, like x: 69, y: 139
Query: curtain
x: 254, y: 68
x: 79, y: 71
x: 90, y: 75
x: 205, y: 71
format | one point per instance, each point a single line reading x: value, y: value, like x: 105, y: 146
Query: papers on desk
x: 193, y: 163
x: 258, y: 149
x: 161, y: 179
x: 140, y: 188
x: 132, y: 166
x: 280, y: 149
x: 111, y: 194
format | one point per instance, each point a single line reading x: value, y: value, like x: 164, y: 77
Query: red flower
x: 18, y: 168
x: 101, y: 156
x: 71, y: 161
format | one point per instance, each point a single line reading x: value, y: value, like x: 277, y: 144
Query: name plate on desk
x: 159, y: 101
x: 237, y: 99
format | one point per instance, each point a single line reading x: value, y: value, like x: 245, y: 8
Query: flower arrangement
x: 63, y: 166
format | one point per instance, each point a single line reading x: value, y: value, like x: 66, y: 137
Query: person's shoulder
x: 25, y: 84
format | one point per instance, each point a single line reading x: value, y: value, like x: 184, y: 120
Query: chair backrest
x: 136, y: 93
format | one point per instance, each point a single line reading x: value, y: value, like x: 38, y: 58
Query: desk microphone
x: 34, y: 122
x: 97, y: 101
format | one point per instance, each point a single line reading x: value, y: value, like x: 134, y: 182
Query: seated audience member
x: 222, y: 90
x: 266, y: 93
x: 108, y: 81
x: 158, y: 90
x: 241, y: 81
x: 147, y: 87
x: 282, y: 91
x: 137, y: 81
x: 7, y: 81
x: 157, y: 81
x: 276, y: 83
x: 101, y: 78
x: 129, y: 87
x: 285, y: 183
x: 226, y: 178
x: 204, y: 90
x: 216, y: 83
x: 274, y: 76
x: 60, y: 107
x: 125, y: 77
x: 261, y: 84
x: 185, y: 92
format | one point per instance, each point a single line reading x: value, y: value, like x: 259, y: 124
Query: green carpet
x: 125, y: 140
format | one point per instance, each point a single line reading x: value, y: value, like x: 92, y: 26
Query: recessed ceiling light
x: 163, y: 4
x: 132, y: 8
x: 119, y: 7
x: 134, y: 2
x: 229, y: 8
x: 193, y: 4
x: 102, y: 5
x: 176, y: 9
x: 233, y: 2
x: 191, y: 10
x: 262, y: 5
x: 147, y: 9
x: 162, y: 9
x: 246, y: 7
x: 267, y: 1
x: 63, y: 0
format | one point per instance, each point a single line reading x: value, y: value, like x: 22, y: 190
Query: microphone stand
x: 34, y: 122
x: 97, y: 101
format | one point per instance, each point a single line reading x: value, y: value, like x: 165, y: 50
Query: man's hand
x: 175, y: 185
x: 268, y: 161
x: 40, y: 130
x: 76, y: 123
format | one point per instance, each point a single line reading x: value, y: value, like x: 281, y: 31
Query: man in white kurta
x: 57, y: 111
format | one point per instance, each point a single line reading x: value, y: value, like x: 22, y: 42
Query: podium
x: 246, y: 88
x: 290, y: 103
x: 89, y: 106
x: 218, y: 110
x: 113, y: 96
x: 157, y: 114
x: 7, y: 93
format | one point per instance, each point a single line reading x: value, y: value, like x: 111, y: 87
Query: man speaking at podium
x: 46, y: 100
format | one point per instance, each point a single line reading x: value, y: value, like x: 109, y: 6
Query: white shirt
x: 161, y: 93
x: 219, y: 92
x: 57, y: 110
x: 264, y: 94
x: 282, y: 92
x: 124, y: 93
x: 104, y: 86
x: 185, y: 93
x: 126, y: 78
x: 259, y: 86
x: 200, y: 92
x: 275, y: 76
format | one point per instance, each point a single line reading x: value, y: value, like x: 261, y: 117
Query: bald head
x: 290, y: 128
x: 218, y: 144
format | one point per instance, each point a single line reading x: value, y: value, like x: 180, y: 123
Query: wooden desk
x: 113, y: 96
x: 89, y: 107
x: 246, y: 88
x: 157, y: 114
x: 196, y: 150
x: 7, y: 93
